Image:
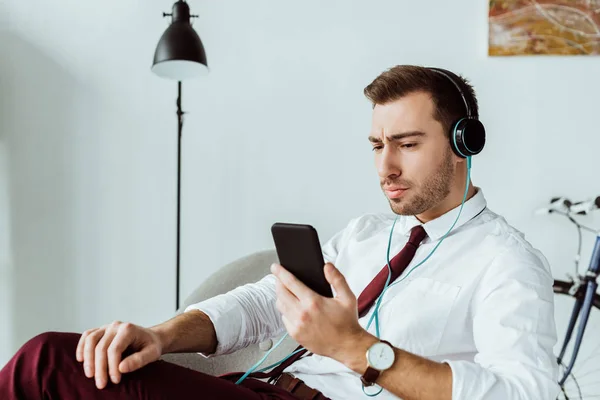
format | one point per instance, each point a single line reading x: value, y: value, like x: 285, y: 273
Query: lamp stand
x: 179, y: 130
x: 179, y: 55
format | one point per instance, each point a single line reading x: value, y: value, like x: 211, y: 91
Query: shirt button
x: 266, y: 345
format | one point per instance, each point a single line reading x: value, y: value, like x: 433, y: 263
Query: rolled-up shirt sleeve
x: 514, y: 332
x: 243, y: 316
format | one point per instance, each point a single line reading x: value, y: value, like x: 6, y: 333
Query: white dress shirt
x: 483, y: 303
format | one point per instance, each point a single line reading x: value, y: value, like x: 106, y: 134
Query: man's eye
x: 408, y: 145
x: 377, y: 148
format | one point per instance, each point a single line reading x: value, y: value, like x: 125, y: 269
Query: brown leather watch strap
x: 371, y: 374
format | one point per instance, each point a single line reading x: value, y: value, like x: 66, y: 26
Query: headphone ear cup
x: 468, y: 137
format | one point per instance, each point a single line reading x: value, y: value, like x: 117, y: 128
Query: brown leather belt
x: 291, y: 384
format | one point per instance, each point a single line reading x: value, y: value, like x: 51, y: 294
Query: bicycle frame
x: 583, y: 305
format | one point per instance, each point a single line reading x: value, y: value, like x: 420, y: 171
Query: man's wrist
x: 164, y: 338
x: 355, y: 354
x: 192, y: 331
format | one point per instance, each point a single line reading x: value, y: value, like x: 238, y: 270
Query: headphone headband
x: 456, y: 81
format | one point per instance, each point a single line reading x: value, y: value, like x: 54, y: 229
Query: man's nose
x: 387, y: 164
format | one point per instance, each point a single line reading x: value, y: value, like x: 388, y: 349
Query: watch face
x: 380, y: 356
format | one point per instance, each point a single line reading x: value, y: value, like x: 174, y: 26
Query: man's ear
x: 456, y: 158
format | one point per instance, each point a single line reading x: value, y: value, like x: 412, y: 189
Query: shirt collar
x: 438, y: 227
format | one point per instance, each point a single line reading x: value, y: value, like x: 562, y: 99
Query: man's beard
x: 427, y: 194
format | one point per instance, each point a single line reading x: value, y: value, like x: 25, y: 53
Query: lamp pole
x: 179, y: 130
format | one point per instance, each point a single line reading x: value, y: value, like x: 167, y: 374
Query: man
x: 474, y: 321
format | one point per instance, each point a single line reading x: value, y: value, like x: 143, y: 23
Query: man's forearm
x: 411, y: 377
x: 191, y: 331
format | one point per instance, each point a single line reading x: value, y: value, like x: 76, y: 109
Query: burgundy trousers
x: 45, y: 368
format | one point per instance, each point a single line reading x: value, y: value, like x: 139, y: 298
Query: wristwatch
x: 380, y: 357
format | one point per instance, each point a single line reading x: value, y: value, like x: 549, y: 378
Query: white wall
x: 6, y: 270
x: 276, y: 132
x: 6, y: 264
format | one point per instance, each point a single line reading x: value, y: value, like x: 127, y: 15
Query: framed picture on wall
x: 544, y: 27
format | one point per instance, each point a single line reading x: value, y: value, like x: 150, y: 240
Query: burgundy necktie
x: 370, y: 294
x: 398, y: 264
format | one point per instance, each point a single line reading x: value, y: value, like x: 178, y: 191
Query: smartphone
x: 299, y: 251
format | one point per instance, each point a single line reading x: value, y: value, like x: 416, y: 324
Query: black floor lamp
x: 179, y: 56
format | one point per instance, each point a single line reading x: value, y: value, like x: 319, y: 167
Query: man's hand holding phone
x: 323, y: 325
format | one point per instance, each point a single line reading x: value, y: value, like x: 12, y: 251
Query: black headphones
x: 467, y: 135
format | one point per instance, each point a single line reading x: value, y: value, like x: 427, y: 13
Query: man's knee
x: 35, y: 367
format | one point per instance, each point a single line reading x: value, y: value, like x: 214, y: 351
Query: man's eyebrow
x: 397, y: 136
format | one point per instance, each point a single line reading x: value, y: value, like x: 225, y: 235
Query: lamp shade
x: 180, y: 54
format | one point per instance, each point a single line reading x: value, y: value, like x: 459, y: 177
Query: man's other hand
x: 101, y: 350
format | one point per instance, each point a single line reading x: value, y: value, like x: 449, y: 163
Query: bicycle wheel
x: 584, y: 380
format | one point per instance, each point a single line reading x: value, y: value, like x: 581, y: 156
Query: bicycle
x: 579, y: 293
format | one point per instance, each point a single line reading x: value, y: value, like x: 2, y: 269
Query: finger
x: 138, y: 360
x: 88, y: 351
x: 79, y: 351
x: 282, y: 291
x: 101, y: 359
x: 287, y: 303
x: 293, y: 284
x: 115, y: 351
x: 339, y: 283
